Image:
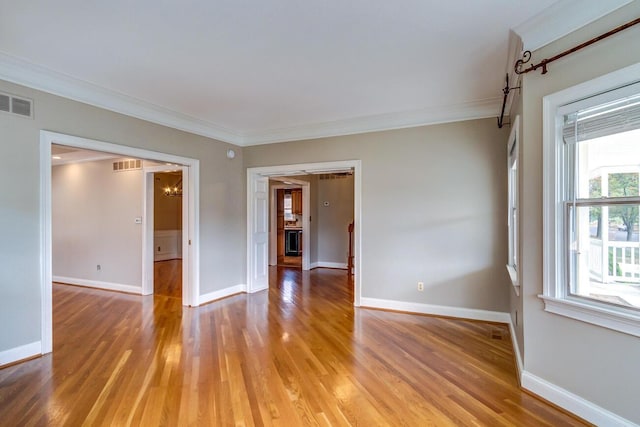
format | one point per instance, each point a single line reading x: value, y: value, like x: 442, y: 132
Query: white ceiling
x: 256, y: 71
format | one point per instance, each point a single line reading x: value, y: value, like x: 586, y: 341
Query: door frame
x: 306, y: 226
x: 257, y: 173
x: 191, y: 203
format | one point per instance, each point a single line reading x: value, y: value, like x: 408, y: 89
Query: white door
x: 258, y: 235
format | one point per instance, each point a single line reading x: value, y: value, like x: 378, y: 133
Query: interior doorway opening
x: 190, y: 218
x: 167, y: 233
x: 260, y: 248
x: 289, y: 222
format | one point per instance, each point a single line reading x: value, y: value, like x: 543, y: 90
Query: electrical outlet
x: 421, y: 286
x: 98, y: 267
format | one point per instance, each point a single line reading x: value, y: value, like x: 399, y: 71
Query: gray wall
x: 222, y: 200
x: 433, y: 209
x: 595, y: 363
x: 92, y: 222
x: 333, y: 220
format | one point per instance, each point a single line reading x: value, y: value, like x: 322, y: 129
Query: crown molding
x: 562, y: 18
x: 444, y: 114
x: 25, y: 73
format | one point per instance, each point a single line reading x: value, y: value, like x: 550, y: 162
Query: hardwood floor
x: 291, y: 261
x: 167, y: 278
x: 299, y: 354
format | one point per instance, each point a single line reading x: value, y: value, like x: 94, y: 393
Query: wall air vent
x: 336, y: 175
x: 127, y: 165
x: 16, y: 105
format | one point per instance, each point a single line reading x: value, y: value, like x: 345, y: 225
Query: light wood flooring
x: 291, y: 261
x: 299, y: 354
x: 167, y: 278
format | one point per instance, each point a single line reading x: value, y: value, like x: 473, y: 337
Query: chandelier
x: 174, y: 191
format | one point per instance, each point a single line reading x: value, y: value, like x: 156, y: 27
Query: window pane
x: 604, y: 260
x: 608, y: 166
x: 288, y: 214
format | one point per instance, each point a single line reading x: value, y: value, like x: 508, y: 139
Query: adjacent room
x: 330, y: 213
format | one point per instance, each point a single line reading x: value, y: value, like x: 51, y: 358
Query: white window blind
x: 619, y: 116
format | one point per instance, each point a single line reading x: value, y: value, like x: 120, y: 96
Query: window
x: 592, y: 200
x: 288, y: 206
x: 512, y: 195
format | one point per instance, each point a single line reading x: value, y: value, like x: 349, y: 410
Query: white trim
x: 513, y: 275
x: 592, y: 313
x: 481, y: 109
x: 222, y: 293
x: 190, y: 274
x: 571, y: 402
x: 325, y: 264
x: 252, y: 173
x: 513, y: 150
x: 98, y: 284
x: 25, y: 73
x: 554, y: 290
x: 437, y: 310
x: 562, y: 18
x: 46, y: 273
x: 174, y: 237
x: 516, y: 350
x: 22, y: 352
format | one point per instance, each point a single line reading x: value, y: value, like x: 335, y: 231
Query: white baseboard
x: 99, y: 285
x: 571, y: 402
x: 323, y: 264
x: 212, y: 296
x: 20, y: 353
x: 516, y: 350
x: 438, y: 310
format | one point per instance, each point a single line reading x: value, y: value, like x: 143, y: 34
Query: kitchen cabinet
x: 296, y: 202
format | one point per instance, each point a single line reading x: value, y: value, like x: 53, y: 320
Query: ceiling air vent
x: 127, y: 165
x: 16, y: 105
x: 5, y: 103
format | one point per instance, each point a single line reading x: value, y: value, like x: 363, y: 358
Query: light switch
x: 138, y: 220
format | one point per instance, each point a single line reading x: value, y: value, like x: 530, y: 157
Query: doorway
x: 167, y: 233
x: 289, y: 241
x: 190, y: 216
x: 258, y: 217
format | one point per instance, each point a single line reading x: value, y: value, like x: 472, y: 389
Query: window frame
x: 513, y: 199
x: 556, y: 295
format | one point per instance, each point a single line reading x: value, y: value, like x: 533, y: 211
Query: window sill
x: 624, y: 322
x: 513, y: 275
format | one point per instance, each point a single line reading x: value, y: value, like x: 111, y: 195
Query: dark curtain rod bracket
x: 505, y: 92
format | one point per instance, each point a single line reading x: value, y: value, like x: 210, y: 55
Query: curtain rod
x: 526, y: 56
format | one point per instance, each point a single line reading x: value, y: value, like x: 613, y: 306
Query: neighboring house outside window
x: 592, y: 200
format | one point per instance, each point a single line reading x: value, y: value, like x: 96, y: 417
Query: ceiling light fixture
x: 56, y: 157
x: 174, y: 191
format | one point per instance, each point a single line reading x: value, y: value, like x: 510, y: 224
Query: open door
x: 258, y: 233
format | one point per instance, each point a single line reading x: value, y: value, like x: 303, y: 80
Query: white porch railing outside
x: 619, y: 263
